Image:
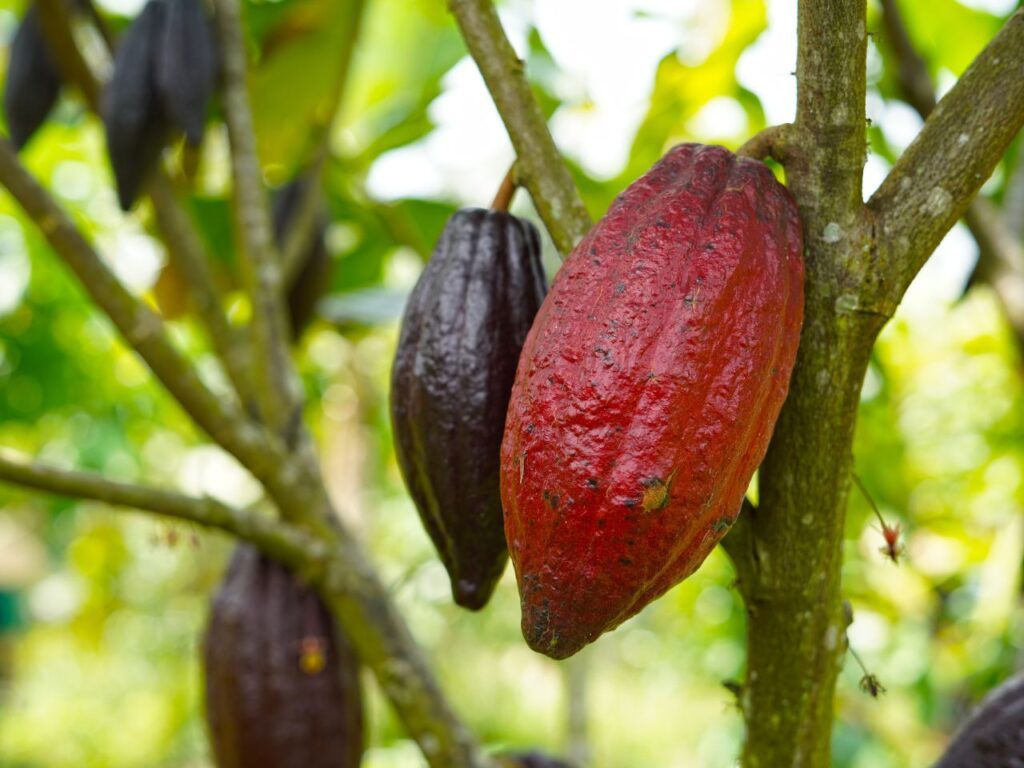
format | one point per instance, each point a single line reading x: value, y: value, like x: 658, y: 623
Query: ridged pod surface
x: 463, y: 329
x: 993, y: 736
x: 33, y: 82
x: 282, y: 686
x: 647, y: 391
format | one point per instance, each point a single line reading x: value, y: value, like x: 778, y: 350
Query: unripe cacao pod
x: 463, y: 328
x: 33, y: 82
x: 647, y: 391
x: 993, y: 735
x: 282, y: 684
x: 186, y: 68
x: 137, y: 126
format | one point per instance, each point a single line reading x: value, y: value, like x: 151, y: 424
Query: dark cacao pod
x: 137, y: 127
x: 282, y: 684
x: 463, y: 329
x: 33, y: 82
x: 530, y: 760
x: 313, y: 279
x: 993, y: 735
x: 186, y: 66
x: 647, y: 391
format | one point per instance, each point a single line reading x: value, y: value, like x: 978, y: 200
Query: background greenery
x: 101, y: 613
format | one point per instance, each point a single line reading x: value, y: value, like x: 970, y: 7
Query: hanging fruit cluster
x: 165, y: 71
x: 165, y: 74
x: 644, y: 399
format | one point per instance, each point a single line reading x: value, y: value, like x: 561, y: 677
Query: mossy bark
x: 859, y: 260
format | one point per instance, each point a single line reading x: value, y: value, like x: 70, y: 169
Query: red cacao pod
x: 464, y: 326
x: 647, y: 391
x: 993, y: 735
x: 282, y: 684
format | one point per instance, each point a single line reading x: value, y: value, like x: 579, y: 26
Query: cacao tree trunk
x: 791, y: 584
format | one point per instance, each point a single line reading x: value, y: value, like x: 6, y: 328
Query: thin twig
x: 912, y: 70
x: 738, y: 544
x: 540, y: 166
x: 261, y: 266
x: 1000, y: 260
x: 188, y: 253
x: 303, y: 225
x: 55, y: 19
x: 1013, y: 198
x: 273, y: 537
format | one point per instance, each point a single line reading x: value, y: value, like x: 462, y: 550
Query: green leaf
x: 292, y: 87
x: 680, y: 90
x: 405, y: 49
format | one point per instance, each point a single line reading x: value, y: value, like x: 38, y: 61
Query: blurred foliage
x: 101, y: 613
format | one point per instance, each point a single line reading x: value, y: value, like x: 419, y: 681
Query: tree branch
x: 343, y: 576
x: 261, y: 265
x: 1000, y: 253
x: 222, y: 419
x: 933, y: 182
x: 184, y: 244
x: 56, y: 18
x: 188, y: 253
x: 1000, y: 261
x: 346, y: 578
x: 303, y: 225
x: 1013, y: 197
x: 540, y: 166
x: 275, y: 538
x: 912, y: 70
